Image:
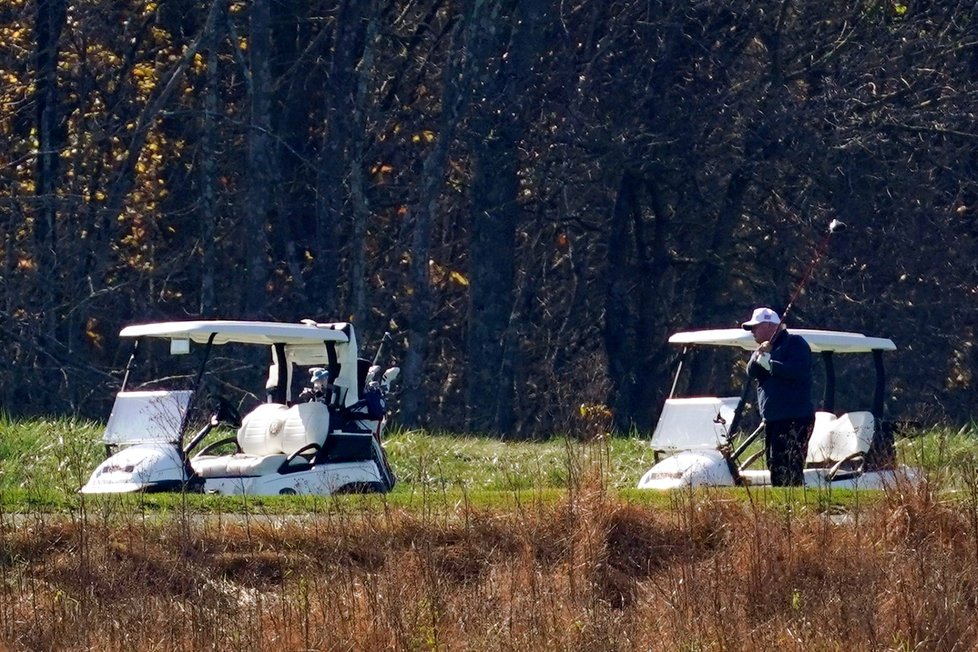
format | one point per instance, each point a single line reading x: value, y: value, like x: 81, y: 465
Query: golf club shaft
x: 834, y: 226
x: 386, y: 338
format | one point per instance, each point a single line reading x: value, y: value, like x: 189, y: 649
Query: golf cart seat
x: 271, y: 439
x: 840, y: 441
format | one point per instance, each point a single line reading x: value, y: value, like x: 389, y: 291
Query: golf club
x: 374, y: 368
x: 835, y: 226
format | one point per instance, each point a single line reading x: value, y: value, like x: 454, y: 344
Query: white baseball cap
x: 318, y: 374
x: 761, y: 316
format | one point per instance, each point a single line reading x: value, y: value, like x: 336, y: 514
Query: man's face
x: 764, y: 331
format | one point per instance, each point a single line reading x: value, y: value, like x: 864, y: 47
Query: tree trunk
x: 455, y: 94
x: 636, y: 302
x: 50, y: 21
x: 260, y: 156
x: 358, y: 172
x: 491, y: 261
x: 497, y: 131
x: 333, y: 180
x: 208, y: 170
x: 620, y: 309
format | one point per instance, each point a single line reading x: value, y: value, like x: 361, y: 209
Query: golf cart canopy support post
x: 679, y: 370
x: 196, y: 385
x: 129, y: 365
x: 880, y: 392
x: 828, y: 395
x: 277, y: 386
x: 333, y: 365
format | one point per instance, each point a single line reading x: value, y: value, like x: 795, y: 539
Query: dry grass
x: 589, y: 573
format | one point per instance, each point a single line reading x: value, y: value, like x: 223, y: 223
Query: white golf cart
x: 286, y: 445
x: 695, y: 439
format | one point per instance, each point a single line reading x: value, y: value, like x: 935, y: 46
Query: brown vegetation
x: 592, y: 572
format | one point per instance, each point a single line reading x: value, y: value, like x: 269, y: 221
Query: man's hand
x: 764, y: 359
x: 758, y: 359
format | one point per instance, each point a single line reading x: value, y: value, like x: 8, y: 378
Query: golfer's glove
x: 764, y: 360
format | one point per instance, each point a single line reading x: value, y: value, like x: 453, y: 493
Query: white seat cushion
x: 267, y: 436
x: 272, y: 428
x: 836, y: 438
x: 261, y: 430
x: 244, y: 465
x: 306, y: 423
x: 237, y: 465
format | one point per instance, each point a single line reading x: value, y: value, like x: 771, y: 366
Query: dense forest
x: 529, y: 195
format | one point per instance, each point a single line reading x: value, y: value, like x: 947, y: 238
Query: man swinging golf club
x: 782, y: 369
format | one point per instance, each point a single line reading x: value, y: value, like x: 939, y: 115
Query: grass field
x: 43, y: 462
x: 486, y: 545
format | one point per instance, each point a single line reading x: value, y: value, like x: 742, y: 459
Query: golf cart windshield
x: 147, y: 417
x: 698, y: 422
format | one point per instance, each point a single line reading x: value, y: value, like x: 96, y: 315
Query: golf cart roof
x: 818, y: 340
x: 247, y: 332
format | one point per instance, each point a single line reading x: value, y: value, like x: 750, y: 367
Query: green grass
x: 485, y: 463
x: 949, y: 453
x: 44, y: 461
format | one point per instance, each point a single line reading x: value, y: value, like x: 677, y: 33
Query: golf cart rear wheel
x: 361, y: 488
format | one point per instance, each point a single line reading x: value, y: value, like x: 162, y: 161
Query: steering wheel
x: 225, y: 412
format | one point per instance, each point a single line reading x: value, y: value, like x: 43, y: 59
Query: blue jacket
x: 785, y: 392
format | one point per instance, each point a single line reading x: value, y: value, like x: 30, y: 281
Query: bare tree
x: 456, y: 89
x: 209, y: 167
x: 504, y: 54
x: 260, y: 160
x: 50, y: 19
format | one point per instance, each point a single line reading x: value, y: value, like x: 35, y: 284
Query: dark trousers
x: 786, y: 445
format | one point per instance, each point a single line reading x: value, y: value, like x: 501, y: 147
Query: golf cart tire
x: 362, y: 488
x: 192, y: 486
